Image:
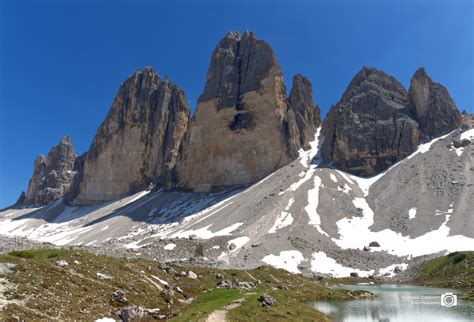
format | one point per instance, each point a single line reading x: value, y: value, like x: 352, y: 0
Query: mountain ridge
x: 245, y: 126
x: 255, y: 176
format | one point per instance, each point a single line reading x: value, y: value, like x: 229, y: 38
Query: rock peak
x: 307, y: 114
x: 245, y: 101
x: 420, y: 72
x: 233, y: 35
x: 370, y: 128
x: 138, y: 142
x: 66, y: 140
x: 52, y: 176
x: 433, y: 107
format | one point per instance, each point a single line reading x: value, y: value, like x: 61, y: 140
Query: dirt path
x: 221, y: 314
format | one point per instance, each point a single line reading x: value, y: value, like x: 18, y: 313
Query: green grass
x: 206, y: 303
x: 39, y: 253
x: 74, y: 292
x: 455, y: 270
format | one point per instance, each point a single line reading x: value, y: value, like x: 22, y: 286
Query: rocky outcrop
x: 52, y: 176
x: 432, y: 106
x: 243, y: 128
x: 467, y: 121
x: 371, y: 127
x: 307, y: 114
x: 138, y: 143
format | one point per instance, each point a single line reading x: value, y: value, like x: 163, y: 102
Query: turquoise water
x: 403, y: 303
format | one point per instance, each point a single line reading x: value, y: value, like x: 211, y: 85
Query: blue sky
x: 62, y: 63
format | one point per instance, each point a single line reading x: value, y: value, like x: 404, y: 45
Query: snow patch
x: 307, y: 175
x: 355, y: 233
x: 459, y: 151
x: 134, y: 245
x: 469, y: 134
x: 308, y: 155
x: 344, y: 189
x: 333, y: 177
x: 365, y: 183
x: 390, y: 270
x: 170, y: 246
x: 91, y: 242
x: 412, y: 213
x: 238, y: 242
x: 137, y: 196
x: 425, y: 147
x: 312, y: 207
x: 323, y: 264
x: 287, y: 260
x: 284, y: 219
x: 205, y: 233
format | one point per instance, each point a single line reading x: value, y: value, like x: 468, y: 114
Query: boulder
x: 119, y: 297
x: 168, y: 295
x: 224, y: 284
x: 138, y: 142
x: 61, y: 263
x: 371, y: 127
x: 374, y: 244
x: 130, y: 313
x: 192, y: 275
x: 245, y: 285
x: 267, y: 300
x: 103, y: 276
x: 432, y: 106
x: 461, y: 143
x: 243, y: 128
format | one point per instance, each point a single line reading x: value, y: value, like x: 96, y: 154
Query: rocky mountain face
x: 307, y: 114
x: 52, y: 176
x: 137, y: 145
x: 377, y: 123
x: 432, y: 106
x: 243, y: 128
x: 370, y: 128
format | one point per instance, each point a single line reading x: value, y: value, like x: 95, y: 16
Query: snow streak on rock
x: 284, y: 219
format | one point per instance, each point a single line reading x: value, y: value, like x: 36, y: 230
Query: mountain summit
x: 244, y: 128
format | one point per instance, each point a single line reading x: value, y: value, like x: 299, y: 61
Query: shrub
x: 44, y: 253
x: 459, y: 258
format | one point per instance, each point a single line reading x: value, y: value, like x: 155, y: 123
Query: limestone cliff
x: 138, y: 143
x: 307, y: 114
x: 432, y: 106
x: 52, y: 176
x: 243, y: 128
x: 371, y: 127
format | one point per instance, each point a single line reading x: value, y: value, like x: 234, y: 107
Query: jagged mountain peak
x: 254, y: 130
x: 52, y: 176
x: 137, y: 144
x: 433, y: 107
